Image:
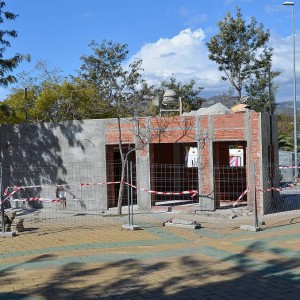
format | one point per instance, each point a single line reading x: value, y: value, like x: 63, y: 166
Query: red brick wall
x: 255, y: 157
x: 182, y: 129
x: 229, y: 127
x: 127, y: 135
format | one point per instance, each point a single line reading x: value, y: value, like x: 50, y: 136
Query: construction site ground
x: 101, y: 260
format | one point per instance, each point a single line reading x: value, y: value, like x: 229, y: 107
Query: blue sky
x: 168, y: 35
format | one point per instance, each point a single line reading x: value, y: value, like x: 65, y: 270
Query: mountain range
x: 282, y: 108
x: 286, y: 108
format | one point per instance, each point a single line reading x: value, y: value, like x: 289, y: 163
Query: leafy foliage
x: 286, y: 132
x: 7, y: 65
x: 241, y: 51
x: 285, y: 142
x: 261, y: 91
x: 67, y: 101
x: 189, y: 93
x: 116, y: 86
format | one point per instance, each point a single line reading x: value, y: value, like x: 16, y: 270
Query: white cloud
x: 185, y: 57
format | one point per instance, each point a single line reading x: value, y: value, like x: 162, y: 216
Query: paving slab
x: 219, y: 261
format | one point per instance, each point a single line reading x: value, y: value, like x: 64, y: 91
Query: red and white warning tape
x: 264, y: 191
x: 16, y: 189
x: 278, y: 189
x: 289, y: 167
x: 241, y: 196
x: 58, y: 185
x: 193, y: 193
x: 36, y: 199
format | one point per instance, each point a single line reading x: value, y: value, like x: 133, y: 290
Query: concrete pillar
x: 143, y: 171
x: 206, y: 202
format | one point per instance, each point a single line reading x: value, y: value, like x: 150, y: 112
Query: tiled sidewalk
x: 153, y: 263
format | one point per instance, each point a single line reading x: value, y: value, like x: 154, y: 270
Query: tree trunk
x: 124, y: 161
x: 121, y: 189
x: 240, y: 95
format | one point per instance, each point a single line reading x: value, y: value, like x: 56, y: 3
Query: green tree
x: 261, y: 91
x: 51, y: 98
x: 286, y: 124
x: 286, y: 132
x: 7, y: 65
x: 16, y: 106
x: 53, y: 102
x: 65, y: 101
x: 285, y: 142
x: 241, y: 51
x: 6, y: 113
x: 189, y: 93
x: 117, y: 87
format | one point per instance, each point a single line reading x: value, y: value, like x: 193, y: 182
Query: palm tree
x: 285, y: 142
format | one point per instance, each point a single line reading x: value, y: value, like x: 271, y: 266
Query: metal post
x: 199, y: 185
x: 128, y: 192
x: 270, y: 90
x: 271, y: 150
x: 255, y: 199
x: 295, y: 102
x: 290, y: 3
x: 1, y: 199
x: 2, y: 216
x: 131, y: 192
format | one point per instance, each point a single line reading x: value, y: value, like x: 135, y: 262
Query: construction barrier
x: 15, y: 189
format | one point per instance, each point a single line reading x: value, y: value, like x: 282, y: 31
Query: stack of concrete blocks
x: 182, y: 224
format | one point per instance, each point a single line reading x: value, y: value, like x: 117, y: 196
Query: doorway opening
x: 230, y: 178
x: 114, y: 169
x: 173, y: 169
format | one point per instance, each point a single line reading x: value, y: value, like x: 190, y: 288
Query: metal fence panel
x: 92, y: 195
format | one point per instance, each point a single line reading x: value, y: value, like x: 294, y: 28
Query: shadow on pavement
x: 247, y: 275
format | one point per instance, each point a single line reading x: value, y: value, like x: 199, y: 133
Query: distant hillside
x: 224, y: 99
x: 287, y: 108
x: 283, y: 108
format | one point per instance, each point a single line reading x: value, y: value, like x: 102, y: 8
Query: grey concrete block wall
x: 143, y: 181
x: 57, y: 153
x: 270, y: 173
x: 74, y: 152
